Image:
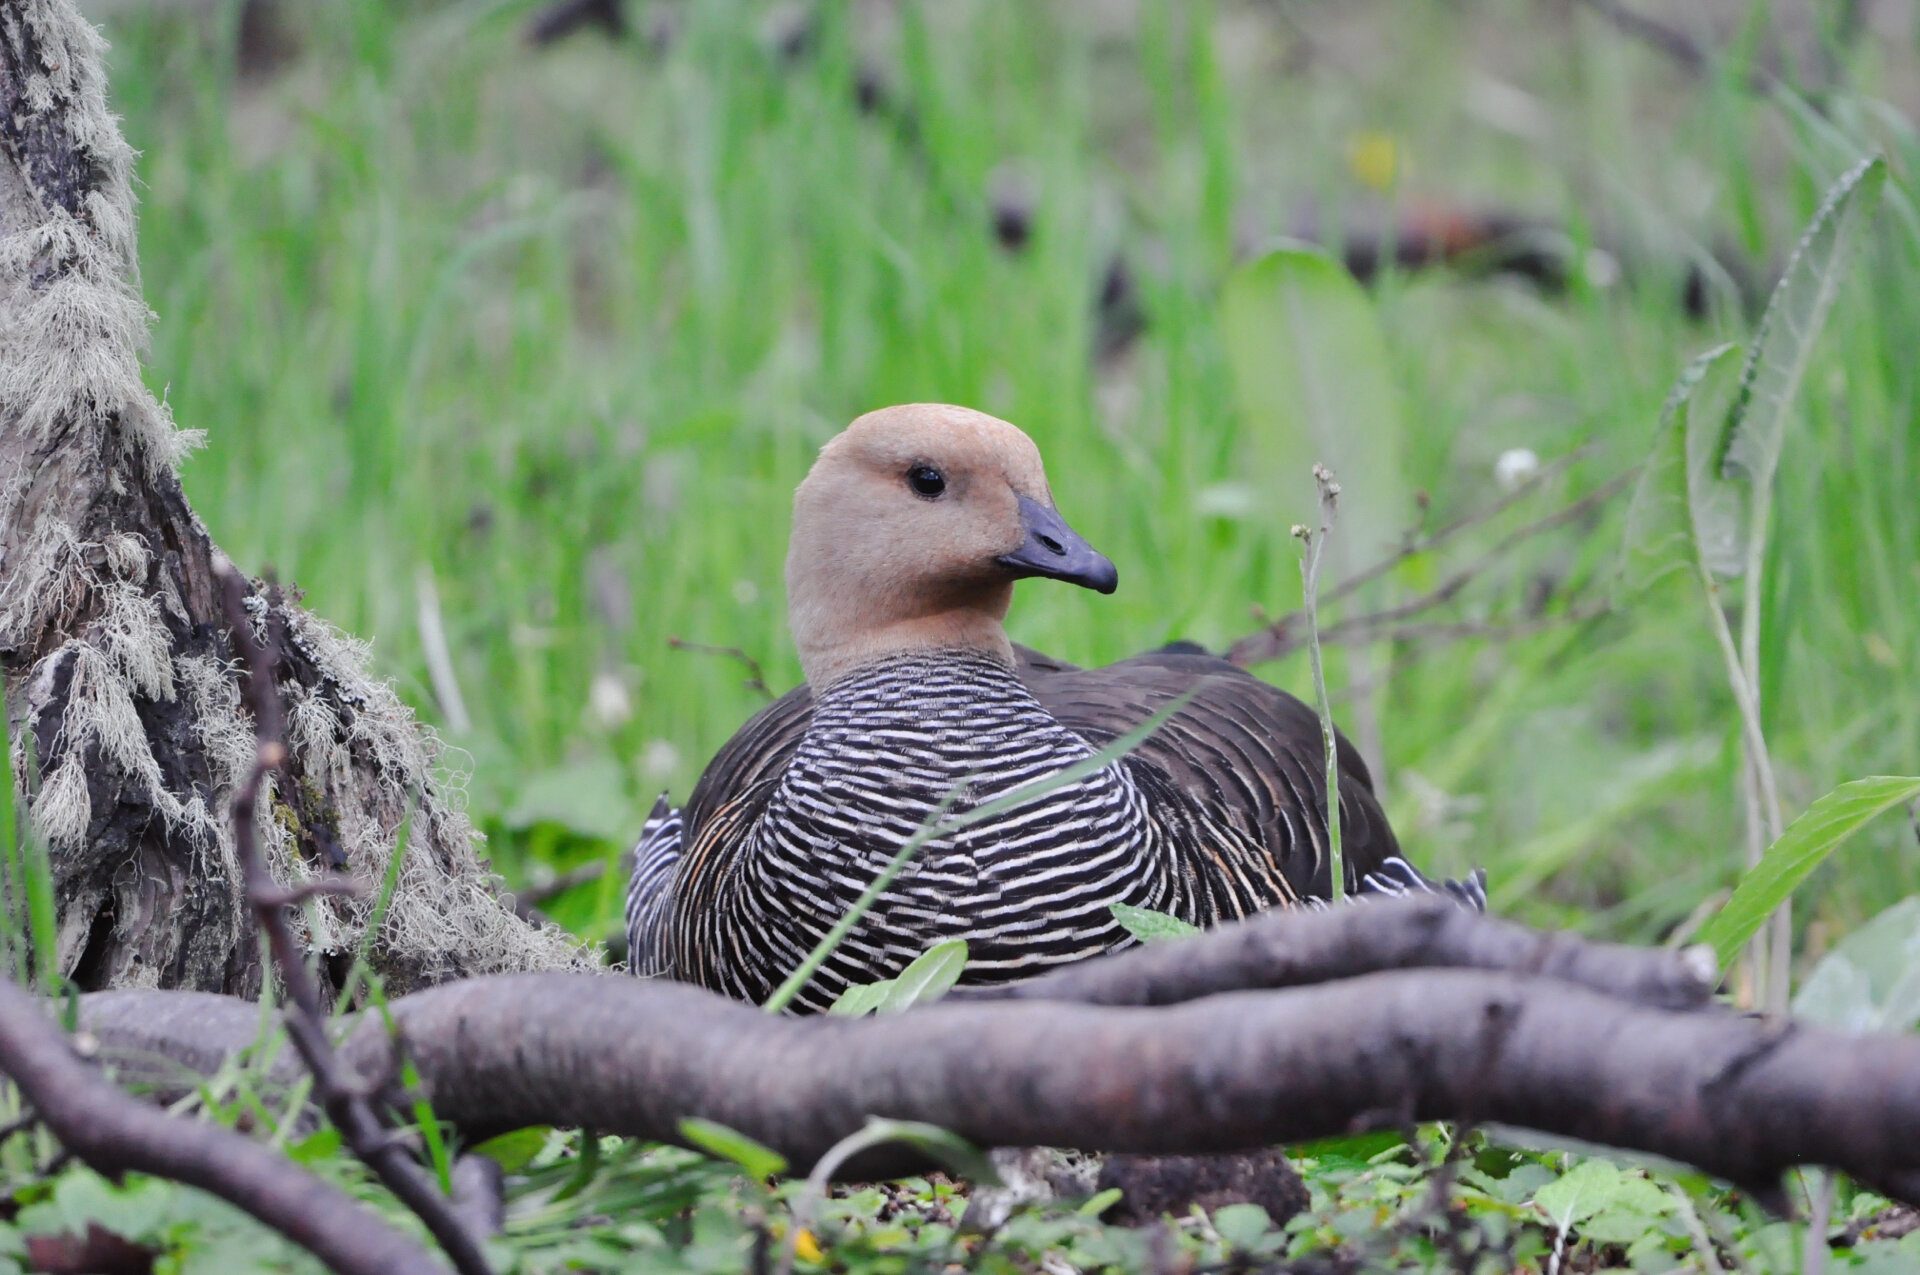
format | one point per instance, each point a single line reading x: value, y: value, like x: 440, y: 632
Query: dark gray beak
x: 1056, y: 551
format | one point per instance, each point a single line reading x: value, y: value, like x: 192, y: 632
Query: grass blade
x: 1805, y: 844
x: 722, y: 1143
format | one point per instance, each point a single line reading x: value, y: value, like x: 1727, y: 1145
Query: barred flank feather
x: 1219, y: 815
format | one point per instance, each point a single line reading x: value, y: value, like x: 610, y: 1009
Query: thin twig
x: 526, y: 901
x: 116, y: 1133
x: 1280, y: 637
x: 1672, y: 41
x: 1423, y: 640
x: 1413, y: 544
x: 293, y: 896
x: 1315, y: 544
x: 756, y: 676
x: 342, y: 1091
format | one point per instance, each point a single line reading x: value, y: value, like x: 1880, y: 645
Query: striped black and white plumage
x: 908, y: 535
x: 1218, y: 815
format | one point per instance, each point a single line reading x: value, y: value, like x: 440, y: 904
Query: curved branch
x: 115, y: 1133
x: 1291, y: 949
x: 1742, y: 1098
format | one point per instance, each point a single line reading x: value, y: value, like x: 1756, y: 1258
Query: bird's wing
x: 1240, y: 754
x: 757, y: 753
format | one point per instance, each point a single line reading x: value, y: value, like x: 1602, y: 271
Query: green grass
x: 565, y: 327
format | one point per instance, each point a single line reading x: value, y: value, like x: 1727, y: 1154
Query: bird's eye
x: 926, y: 481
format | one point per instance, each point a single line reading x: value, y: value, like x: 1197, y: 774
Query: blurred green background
x: 530, y: 343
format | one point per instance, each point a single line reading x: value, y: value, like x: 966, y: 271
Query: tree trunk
x: 123, y: 702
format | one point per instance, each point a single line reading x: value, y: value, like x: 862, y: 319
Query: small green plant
x: 1705, y: 501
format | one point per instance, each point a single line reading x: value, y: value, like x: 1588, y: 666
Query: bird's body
x: 1218, y: 814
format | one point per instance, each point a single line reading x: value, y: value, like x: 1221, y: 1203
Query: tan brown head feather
x: 876, y: 568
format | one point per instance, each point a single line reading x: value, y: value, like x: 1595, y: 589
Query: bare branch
x: 115, y: 1134
x: 756, y: 676
x: 1294, y: 949
x: 1743, y: 1098
x: 526, y: 902
x: 1285, y: 635
x: 342, y: 1092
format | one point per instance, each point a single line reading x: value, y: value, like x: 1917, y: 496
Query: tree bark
x: 123, y: 701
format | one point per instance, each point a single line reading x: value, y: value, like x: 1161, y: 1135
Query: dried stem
x: 341, y: 1090
x: 1315, y: 546
x: 1281, y: 636
x: 756, y: 676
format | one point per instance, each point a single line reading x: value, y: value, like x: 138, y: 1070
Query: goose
x: 909, y: 533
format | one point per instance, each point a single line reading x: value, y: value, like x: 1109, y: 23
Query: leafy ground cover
x: 529, y: 348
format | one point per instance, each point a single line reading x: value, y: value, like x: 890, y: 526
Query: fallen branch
x: 115, y: 1134
x: 1286, y: 949
x: 1742, y: 1098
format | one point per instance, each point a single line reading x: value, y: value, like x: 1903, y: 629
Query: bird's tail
x: 651, y: 886
x: 1398, y: 878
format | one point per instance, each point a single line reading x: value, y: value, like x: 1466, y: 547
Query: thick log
x: 122, y: 700
x: 1744, y: 1098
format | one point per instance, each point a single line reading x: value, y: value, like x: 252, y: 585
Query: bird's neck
x: 831, y: 648
x: 926, y: 687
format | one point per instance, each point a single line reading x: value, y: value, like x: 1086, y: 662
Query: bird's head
x: 909, y: 532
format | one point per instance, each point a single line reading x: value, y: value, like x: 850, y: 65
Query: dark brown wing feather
x: 1240, y: 754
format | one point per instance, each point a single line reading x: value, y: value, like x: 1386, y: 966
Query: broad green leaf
x: 931, y: 976
x: 1750, y: 442
x: 1807, y: 841
x: 515, y: 1151
x: 727, y: 1144
x: 1662, y: 525
x: 1149, y: 926
x: 1684, y: 513
x: 1349, y: 1148
x: 1314, y: 384
x: 1870, y: 980
x: 1588, y: 1188
x: 1242, y: 1225
x: 861, y: 999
